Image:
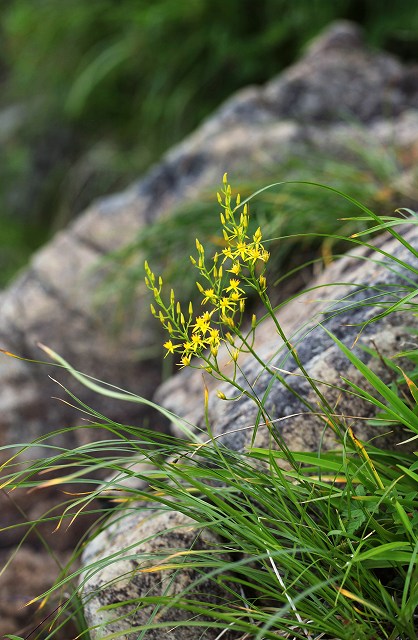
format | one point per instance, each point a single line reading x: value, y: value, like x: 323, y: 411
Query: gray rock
x: 120, y: 556
x: 321, y: 102
x: 353, y: 89
x: 372, y: 280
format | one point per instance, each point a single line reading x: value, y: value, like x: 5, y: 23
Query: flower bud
x: 257, y: 236
x: 263, y: 283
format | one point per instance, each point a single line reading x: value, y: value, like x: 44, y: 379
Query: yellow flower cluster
x: 223, y: 291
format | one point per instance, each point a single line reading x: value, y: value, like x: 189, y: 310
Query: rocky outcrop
x: 336, y: 90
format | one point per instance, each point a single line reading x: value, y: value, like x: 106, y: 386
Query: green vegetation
x: 324, y: 547
x: 93, y: 92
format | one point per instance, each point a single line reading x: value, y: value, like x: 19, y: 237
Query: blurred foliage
x: 93, y: 92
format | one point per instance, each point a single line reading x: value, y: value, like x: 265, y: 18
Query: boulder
x: 346, y: 299
x: 121, y: 559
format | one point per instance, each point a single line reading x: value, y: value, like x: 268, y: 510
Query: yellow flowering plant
x: 224, y: 282
x: 240, y: 265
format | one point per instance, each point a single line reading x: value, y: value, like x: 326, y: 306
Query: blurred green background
x: 93, y: 91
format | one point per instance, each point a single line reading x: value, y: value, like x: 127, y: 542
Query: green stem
x: 325, y: 405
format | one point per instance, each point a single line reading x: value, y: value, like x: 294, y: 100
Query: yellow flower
x: 241, y: 250
x: 170, y: 347
x: 213, y: 340
x: 185, y: 360
x: 188, y: 347
x: 214, y: 350
x: 210, y: 296
x: 225, y: 303
x: 197, y: 341
x: 235, y: 269
x: 202, y: 324
x: 214, y: 334
x: 253, y: 254
x: 234, y: 286
x: 228, y: 251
